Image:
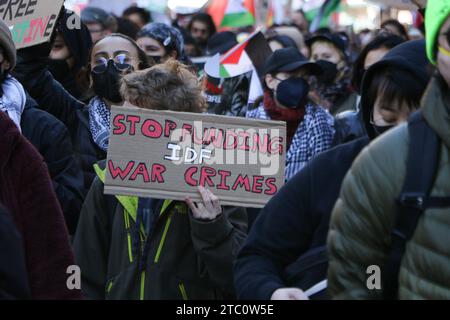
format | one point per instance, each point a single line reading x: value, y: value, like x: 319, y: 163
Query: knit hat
x: 169, y: 37
x: 436, y: 13
x: 7, y: 43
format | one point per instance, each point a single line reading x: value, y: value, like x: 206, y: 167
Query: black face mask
x: 293, y: 92
x: 59, y: 68
x: 156, y: 59
x: 379, y: 130
x: 330, y: 72
x: 106, y: 82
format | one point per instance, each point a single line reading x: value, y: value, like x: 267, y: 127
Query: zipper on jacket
x: 182, y: 289
x: 109, y: 286
x: 163, y: 239
x: 142, y: 291
x: 126, y: 219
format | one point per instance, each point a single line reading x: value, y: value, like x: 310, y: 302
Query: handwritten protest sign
x: 31, y: 21
x: 166, y: 155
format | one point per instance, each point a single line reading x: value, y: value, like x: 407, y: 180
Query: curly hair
x: 169, y: 86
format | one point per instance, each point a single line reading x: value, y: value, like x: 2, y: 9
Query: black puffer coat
x: 51, y: 138
x: 32, y: 72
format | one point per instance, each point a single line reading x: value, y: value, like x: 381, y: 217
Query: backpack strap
x: 422, y: 164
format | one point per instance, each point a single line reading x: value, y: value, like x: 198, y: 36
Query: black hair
x: 383, y: 40
x: 128, y: 28
x: 204, y: 18
x: 401, y: 28
x: 144, y: 62
x: 142, y: 12
x: 395, y: 85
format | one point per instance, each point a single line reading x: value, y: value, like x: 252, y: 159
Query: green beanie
x: 436, y: 13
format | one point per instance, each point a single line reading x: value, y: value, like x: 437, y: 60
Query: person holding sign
x: 136, y: 248
x: 88, y: 125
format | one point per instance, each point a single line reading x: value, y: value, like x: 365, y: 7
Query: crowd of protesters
x: 367, y: 163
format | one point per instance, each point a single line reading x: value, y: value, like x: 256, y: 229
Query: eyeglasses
x: 120, y: 62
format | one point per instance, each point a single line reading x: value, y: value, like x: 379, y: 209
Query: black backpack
x: 421, y: 171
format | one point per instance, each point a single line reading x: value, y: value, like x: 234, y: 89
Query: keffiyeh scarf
x: 99, y: 117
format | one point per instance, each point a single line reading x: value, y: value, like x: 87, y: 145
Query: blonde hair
x: 168, y: 86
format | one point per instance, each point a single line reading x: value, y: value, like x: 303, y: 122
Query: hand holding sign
x: 210, y: 209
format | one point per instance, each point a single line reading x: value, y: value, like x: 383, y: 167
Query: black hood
x: 410, y: 56
x: 78, y: 41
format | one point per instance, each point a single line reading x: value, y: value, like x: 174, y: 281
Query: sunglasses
x: 119, y: 62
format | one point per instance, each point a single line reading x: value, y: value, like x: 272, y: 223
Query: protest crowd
x: 363, y: 210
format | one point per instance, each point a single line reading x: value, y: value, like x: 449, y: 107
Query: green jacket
x: 364, y: 216
x: 188, y: 259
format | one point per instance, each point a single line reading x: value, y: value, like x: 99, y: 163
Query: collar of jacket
x: 436, y: 109
x: 129, y: 203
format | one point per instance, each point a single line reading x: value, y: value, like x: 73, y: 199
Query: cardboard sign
x: 31, y: 21
x: 166, y: 155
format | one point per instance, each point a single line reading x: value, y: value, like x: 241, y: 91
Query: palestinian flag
x: 232, y: 13
x: 245, y: 57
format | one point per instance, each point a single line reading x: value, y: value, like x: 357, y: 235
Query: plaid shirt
x: 313, y: 136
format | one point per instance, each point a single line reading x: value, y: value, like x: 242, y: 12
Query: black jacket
x: 51, y: 138
x: 32, y: 72
x: 349, y: 126
x: 13, y: 270
x: 293, y: 223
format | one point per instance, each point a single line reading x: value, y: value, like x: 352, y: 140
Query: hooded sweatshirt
x: 79, y: 43
x: 409, y: 56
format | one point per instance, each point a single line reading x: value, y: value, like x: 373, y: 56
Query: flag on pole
x: 245, y: 57
x: 232, y: 13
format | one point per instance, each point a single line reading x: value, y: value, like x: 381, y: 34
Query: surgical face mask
x: 292, y: 92
x: 59, y: 68
x: 330, y: 72
x: 106, y: 80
